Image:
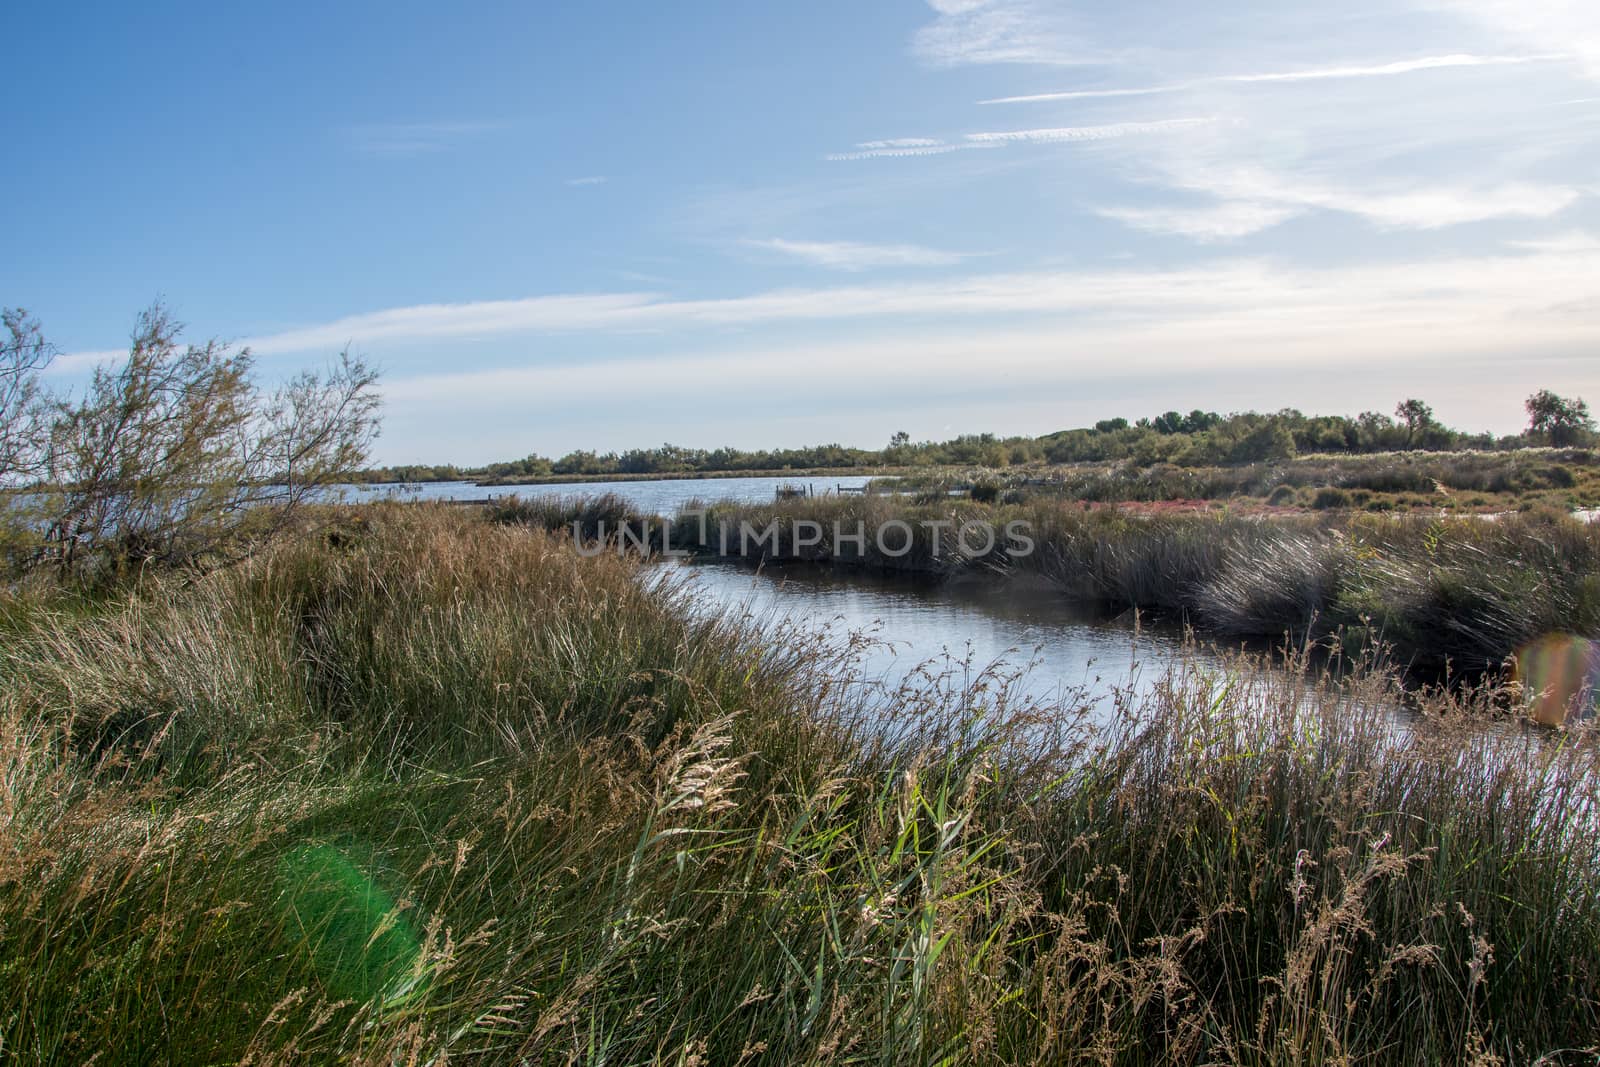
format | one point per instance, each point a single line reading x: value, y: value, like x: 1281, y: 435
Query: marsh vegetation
x: 412, y: 785
x: 1435, y: 591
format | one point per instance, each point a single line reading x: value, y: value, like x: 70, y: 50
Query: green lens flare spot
x: 360, y: 943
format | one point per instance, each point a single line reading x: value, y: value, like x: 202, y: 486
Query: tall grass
x: 432, y: 789
x: 591, y: 517
x: 1463, y: 590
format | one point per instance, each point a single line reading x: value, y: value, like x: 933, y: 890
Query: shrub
x: 1273, y: 588
x: 1330, y: 497
x: 175, y: 457
x: 1559, y: 477
x: 594, y: 517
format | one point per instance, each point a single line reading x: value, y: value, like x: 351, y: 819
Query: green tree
x: 1558, y: 420
x: 175, y: 456
x: 1417, y: 416
x: 24, y: 429
x: 24, y: 353
x: 1267, y: 442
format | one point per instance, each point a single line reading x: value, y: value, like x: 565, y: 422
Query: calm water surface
x: 1064, y: 652
x: 660, y: 497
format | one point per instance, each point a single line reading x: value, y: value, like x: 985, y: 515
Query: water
x: 1066, y: 653
x: 1062, y: 652
x: 663, y: 497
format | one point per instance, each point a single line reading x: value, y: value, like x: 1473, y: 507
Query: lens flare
x: 1561, y: 675
x: 360, y: 943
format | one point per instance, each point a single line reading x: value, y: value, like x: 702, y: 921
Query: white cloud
x: 910, y: 147
x: 1408, y: 66
x: 1266, y: 294
x: 1258, y: 201
x: 1220, y: 317
x: 1223, y: 222
x: 596, y: 179
x: 443, y: 321
x: 1383, y: 70
x: 901, y: 142
x: 889, y: 151
x: 1354, y: 138
x: 83, y: 362
x: 1573, y: 241
x: 1431, y: 208
x: 1082, y: 94
x: 854, y: 256
x: 1415, y: 206
x: 1567, y: 26
x: 1087, y: 133
x: 1000, y: 31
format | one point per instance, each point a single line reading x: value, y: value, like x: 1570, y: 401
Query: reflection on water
x: 1066, y: 650
x: 662, y: 497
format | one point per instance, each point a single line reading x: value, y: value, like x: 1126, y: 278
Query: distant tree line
x: 1196, y: 439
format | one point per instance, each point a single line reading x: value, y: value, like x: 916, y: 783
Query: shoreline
x: 1451, y: 592
x: 674, y: 476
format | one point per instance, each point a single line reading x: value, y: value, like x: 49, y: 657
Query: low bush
x: 1330, y: 498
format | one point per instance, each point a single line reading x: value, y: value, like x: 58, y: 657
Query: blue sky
x: 610, y: 225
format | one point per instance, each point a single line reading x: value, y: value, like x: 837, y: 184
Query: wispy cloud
x: 1566, y: 26
x: 855, y: 256
x: 1380, y: 70
x: 416, y: 138
x: 1001, y: 31
x: 1061, y: 134
x: 1222, y: 222
x: 912, y: 147
x: 83, y: 362
x: 1083, y: 94
x: 1434, y: 207
x: 1385, y: 70
x: 897, y: 148
x: 901, y: 142
x: 1508, y: 283
x: 1351, y: 141
x: 597, y: 179
x: 1573, y: 242
x: 1268, y: 197
x: 464, y: 320
x: 1223, y: 316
